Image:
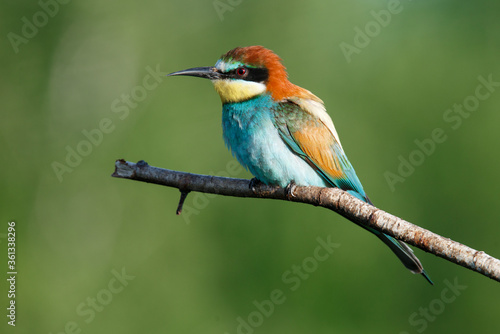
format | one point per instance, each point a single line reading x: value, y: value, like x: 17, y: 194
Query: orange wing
x: 309, y: 137
x: 317, y: 142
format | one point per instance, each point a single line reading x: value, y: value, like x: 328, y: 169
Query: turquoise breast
x: 251, y: 136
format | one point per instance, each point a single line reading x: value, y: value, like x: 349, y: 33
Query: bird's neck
x: 251, y: 105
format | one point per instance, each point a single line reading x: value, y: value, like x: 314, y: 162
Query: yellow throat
x: 231, y: 90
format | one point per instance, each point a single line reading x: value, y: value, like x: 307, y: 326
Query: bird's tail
x: 402, y: 250
x: 405, y: 255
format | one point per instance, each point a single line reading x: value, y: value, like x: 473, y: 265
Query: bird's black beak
x: 211, y: 73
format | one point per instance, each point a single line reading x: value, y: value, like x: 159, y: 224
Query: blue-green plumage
x: 257, y: 133
x: 250, y: 133
x: 281, y: 133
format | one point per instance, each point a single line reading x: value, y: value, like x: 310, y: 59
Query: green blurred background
x: 202, y: 272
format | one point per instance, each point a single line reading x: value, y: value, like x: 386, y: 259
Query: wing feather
x: 309, y: 132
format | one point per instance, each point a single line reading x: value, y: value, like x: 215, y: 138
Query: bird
x: 281, y: 132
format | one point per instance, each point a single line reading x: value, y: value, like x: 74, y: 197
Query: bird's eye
x: 241, y: 71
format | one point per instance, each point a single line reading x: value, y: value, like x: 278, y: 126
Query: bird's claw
x: 254, y: 183
x: 289, y: 189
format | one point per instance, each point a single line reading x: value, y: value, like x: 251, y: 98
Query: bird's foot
x: 289, y: 189
x: 141, y: 164
x: 254, y: 183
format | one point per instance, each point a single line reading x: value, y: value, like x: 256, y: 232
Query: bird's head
x: 246, y: 72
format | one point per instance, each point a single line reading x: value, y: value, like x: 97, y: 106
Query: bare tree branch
x: 330, y: 198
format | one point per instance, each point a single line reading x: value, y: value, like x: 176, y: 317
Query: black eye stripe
x: 256, y: 74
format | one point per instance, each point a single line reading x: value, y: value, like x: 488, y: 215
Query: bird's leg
x: 289, y: 189
x: 254, y: 183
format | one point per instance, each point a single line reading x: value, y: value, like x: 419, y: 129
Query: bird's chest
x: 250, y: 133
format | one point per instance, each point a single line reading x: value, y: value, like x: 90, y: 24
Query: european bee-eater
x: 281, y: 132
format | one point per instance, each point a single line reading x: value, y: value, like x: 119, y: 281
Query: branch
x: 331, y: 198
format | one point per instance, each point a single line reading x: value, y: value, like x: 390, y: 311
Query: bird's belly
x: 256, y: 143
